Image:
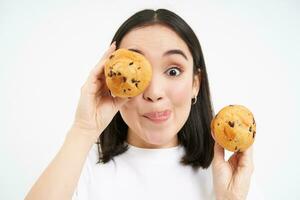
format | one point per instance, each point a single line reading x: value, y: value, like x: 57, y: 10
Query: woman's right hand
x: 96, y: 106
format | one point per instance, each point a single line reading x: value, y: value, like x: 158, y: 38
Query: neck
x: 136, y: 140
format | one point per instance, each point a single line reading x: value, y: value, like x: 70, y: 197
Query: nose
x: 154, y: 92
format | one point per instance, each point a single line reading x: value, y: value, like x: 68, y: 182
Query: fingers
x: 233, y: 160
x: 246, y: 158
x: 219, y: 154
x: 248, y: 152
x: 99, y: 66
x: 96, y: 76
x: 213, y: 135
x: 97, y: 72
x: 119, y: 102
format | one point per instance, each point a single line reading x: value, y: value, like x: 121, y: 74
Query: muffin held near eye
x: 127, y: 73
x: 234, y: 128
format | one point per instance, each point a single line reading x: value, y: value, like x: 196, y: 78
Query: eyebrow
x: 169, y: 52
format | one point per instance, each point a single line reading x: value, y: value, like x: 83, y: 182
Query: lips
x: 160, y: 116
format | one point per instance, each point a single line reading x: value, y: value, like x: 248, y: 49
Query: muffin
x: 234, y: 128
x: 127, y: 73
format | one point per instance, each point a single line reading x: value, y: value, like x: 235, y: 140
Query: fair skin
x: 153, y: 118
x: 172, y: 87
x: 232, y: 178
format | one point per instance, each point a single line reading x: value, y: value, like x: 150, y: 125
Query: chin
x: 160, y: 140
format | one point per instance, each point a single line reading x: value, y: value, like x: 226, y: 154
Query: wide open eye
x: 173, y: 71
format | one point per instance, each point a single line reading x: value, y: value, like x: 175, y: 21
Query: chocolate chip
x: 231, y: 105
x: 110, y: 57
x: 139, y: 68
x: 119, y: 73
x: 136, y: 85
x: 124, y: 79
x: 110, y: 74
x: 253, y: 121
x: 129, y: 89
x: 218, y: 124
x: 124, y: 90
x: 131, y: 63
x: 235, y: 148
x: 231, y: 124
x: 250, y: 129
x: 134, y: 81
x: 254, y: 132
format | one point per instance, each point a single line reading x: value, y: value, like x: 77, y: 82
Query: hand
x: 96, y: 106
x: 232, y: 178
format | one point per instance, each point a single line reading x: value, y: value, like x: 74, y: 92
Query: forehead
x: 154, y: 37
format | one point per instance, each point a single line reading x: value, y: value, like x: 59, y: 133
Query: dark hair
x: 195, y: 135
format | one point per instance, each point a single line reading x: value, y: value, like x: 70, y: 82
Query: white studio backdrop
x: 47, y: 49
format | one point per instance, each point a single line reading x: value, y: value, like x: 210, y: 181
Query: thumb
x: 119, y: 102
x: 219, y: 155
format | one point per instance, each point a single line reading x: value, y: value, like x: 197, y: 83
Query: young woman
x: 157, y: 145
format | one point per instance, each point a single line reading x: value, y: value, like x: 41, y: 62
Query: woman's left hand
x: 231, y: 179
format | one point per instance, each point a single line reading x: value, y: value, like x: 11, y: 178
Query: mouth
x: 159, y: 116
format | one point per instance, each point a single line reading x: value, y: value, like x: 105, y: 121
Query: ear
x: 196, y: 83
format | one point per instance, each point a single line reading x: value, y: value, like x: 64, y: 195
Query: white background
x: 47, y: 49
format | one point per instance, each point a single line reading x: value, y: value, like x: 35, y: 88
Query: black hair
x: 195, y: 135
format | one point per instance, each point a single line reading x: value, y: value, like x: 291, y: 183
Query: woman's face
x: 155, y: 117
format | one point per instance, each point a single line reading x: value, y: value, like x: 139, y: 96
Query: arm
x: 94, y: 112
x: 60, y: 178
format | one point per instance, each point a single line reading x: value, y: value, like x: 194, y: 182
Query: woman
x: 157, y: 145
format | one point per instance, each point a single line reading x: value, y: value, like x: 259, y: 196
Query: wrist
x: 87, y: 135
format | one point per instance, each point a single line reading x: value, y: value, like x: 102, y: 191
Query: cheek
x: 129, y: 112
x: 180, y: 99
x: 180, y: 94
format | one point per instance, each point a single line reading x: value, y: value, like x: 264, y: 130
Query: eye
x: 174, y: 71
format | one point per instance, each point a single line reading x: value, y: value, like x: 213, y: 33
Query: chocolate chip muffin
x: 234, y: 128
x: 127, y: 73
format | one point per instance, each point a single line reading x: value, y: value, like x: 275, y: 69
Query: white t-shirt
x: 144, y: 174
